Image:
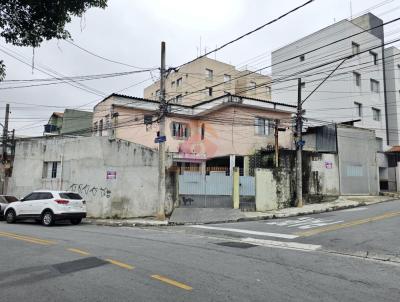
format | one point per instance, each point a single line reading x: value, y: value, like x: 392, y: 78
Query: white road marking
x: 250, y: 232
x: 304, y: 223
x: 282, y: 245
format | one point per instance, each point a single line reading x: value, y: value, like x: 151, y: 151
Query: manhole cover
x: 239, y: 245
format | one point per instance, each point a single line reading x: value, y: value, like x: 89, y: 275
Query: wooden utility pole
x: 299, y: 147
x: 161, y: 145
x: 276, y: 134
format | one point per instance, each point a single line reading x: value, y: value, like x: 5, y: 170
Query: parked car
x: 4, y: 201
x: 47, y: 207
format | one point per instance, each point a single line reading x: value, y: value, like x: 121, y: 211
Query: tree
x: 30, y: 22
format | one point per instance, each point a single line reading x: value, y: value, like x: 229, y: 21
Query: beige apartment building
x: 205, y: 79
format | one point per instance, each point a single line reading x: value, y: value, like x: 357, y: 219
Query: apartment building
x: 354, y: 93
x: 392, y: 75
x: 205, y: 79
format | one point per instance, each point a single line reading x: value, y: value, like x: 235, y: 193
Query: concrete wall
x: 273, y: 189
x: 84, y: 164
x: 357, y: 161
x: 334, y: 101
x: 321, y: 174
x: 77, y: 122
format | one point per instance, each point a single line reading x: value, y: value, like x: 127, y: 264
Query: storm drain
x: 235, y: 244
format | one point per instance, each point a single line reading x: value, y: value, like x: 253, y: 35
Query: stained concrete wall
x: 273, y: 189
x: 84, y: 163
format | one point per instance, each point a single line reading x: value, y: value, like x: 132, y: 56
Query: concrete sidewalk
x: 182, y: 216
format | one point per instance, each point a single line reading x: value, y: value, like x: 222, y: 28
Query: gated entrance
x: 212, y: 189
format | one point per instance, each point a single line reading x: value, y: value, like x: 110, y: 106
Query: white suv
x: 47, y: 207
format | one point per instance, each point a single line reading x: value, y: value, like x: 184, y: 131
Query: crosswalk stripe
x: 249, y: 232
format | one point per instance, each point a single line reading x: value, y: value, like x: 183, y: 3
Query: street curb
x: 243, y: 219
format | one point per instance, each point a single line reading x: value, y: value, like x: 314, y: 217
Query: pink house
x: 222, y: 131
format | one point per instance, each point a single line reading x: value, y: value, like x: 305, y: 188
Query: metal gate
x: 199, y: 190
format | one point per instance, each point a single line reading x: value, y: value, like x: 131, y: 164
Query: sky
x: 131, y: 32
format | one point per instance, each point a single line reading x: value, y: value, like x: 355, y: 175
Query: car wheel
x: 47, y: 218
x: 76, y: 221
x: 10, y: 216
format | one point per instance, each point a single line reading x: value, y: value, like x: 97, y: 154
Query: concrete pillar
x: 232, y: 159
x: 236, y: 188
x: 203, y: 168
x: 246, y: 165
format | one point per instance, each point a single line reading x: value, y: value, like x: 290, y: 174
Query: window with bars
x: 51, y: 169
x: 180, y: 130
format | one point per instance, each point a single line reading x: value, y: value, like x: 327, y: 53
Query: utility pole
x: 5, y: 133
x: 276, y: 144
x: 299, y: 147
x: 161, y: 145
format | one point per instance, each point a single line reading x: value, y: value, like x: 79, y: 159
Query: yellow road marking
x: 172, y: 282
x: 120, y: 264
x: 79, y: 252
x: 338, y: 226
x: 27, y: 238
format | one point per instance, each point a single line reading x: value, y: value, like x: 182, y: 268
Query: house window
x: 374, y: 86
x: 253, y: 85
x: 209, y: 74
x: 180, y: 130
x: 179, y: 82
x: 95, y: 128
x: 209, y: 91
x: 51, y: 169
x: 227, y: 78
x: 355, y: 48
x: 158, y: 93
x: 268, y: 90
x: 374, y: 57
x: 178, y: 98
x: 376, y: 114
x: 147, y: 119
x: 262, y: 126
x: 172, y: 84
x: 302, y: 58
x: 101, y: 128
x: 358, y: 109
x: 303, y: 84
x: 357, y: 78
x: 203, y: 131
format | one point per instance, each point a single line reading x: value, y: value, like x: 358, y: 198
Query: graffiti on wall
x: 86, y: 189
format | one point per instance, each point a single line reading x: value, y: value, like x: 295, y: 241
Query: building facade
x: 354, y: 92
x: 205, y: 79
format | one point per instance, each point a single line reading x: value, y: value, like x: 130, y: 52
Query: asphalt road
x: 327, y: 257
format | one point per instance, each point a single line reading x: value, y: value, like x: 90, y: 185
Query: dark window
x: 203, y: 131
x: 44, y: 195
x: 210, y: 91
x: 71, y: 195
x: 32, y: 196
x: 101, y: 128
x: 303, y: 85
x: 357, y: 78
x: 358, y: 109
x: 302, y: 58
x: 148, y: 118
x: 54, y: 170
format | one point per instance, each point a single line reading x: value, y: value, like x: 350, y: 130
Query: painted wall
x: 335, y: 100
x: 84, y: 166
x: 221, y: 137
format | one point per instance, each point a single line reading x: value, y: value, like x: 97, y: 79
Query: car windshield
x: 10, y: 199
x: 70, y: 195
